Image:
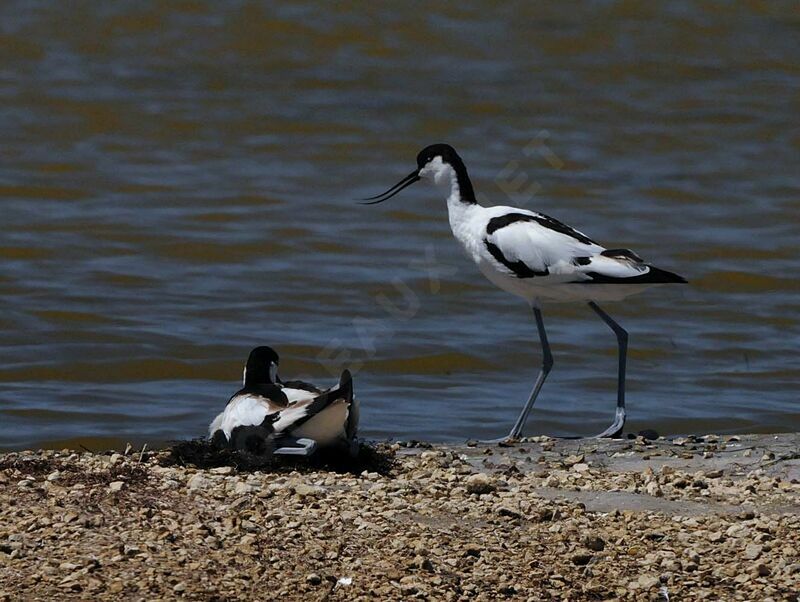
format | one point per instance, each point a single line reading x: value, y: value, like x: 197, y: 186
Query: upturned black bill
x: 384, y: 196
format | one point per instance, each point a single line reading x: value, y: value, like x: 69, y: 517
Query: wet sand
x: 691, y: 518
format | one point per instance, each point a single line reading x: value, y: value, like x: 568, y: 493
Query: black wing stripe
x: 543, y: 220
x: 518, y: 268
x: 299, y: 384
x: 622, y: 254
x: 653, y: 276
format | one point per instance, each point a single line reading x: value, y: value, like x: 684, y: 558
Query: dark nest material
x: 202, y: 453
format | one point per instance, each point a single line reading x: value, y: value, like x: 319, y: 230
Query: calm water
x: 176, y: 183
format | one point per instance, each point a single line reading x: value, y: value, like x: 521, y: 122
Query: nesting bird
x: 270, y: 415
x: 537, y: 258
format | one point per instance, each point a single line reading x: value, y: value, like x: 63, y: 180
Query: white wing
x: 242, y: 410
x: 529, y: 245
x: 296, y: 395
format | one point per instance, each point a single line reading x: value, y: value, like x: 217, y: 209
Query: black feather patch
x: 543, y: 220
x: 299, y: 384
x: 518, y: 268
x: 344, y: 390
x: 653, y: 276
x: 269, y: 392
x: 622, y: 254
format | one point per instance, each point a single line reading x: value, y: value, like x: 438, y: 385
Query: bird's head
x: 437, y: 163
x: 261, y: 367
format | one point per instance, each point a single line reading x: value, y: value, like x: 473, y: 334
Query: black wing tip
x: 663, y: 276
x: 346, y: 385
x: 653, y: 276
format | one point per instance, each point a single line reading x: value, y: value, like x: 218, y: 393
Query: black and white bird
x: 268, y: 413
x: 535, y: 257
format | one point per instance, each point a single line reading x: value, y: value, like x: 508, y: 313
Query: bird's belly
x: 557, y: 289
x: 510, y: 284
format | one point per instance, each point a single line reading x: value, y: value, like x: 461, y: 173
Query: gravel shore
x: 684, y: 519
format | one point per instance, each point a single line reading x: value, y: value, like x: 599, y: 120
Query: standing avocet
x: 537, y: 258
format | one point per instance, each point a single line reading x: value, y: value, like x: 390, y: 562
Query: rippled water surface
x: 176, y: 184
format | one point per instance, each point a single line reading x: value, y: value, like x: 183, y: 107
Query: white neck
x: 444, y: 177
x: 458, y: 211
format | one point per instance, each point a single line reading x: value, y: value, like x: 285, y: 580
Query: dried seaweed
x: 201, y: 453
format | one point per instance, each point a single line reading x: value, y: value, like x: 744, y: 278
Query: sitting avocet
x: 291, y: 417
x: 535, y: 257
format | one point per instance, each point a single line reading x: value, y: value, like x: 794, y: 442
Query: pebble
x: 581, y: 559
x: 434, y: 529
x: 313, y: 579
x: 648, y: 581
x: 302, y: 489
x: 594, y: 543
x: 222, y: 470
x: 197, y: 481
x: 752, y: 551
x: 480, y: 483
x: 242, y: 488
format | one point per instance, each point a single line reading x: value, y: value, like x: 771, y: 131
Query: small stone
x: 223, y: 470
x: 131, y: 550
x: 243, y: 488
x: 68, y: 566
x: 508, y: 512
x: 472, y: 549
x: 594, y: 543
x: 762, y: 570
x: 648, y: 581
x: 116, y: 485
x: 303, y: 489
x: 313, y: 579
x: 480, y: 483
x: 653, y: 488
x: 574, y: 459
x: 54, y: 476
x: 197, y: 481
x: 752, y: 551
x: 114, y: 459
x: 580, y: 467
x: 179, y: 587
x: 581, y: 559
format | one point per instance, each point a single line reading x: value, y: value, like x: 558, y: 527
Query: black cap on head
x: 445, y: 151
x: 259, y: 365
x: 449, y: 156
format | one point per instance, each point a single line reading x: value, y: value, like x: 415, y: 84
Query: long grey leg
x: 547, y: 364
x: 615, y: 430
